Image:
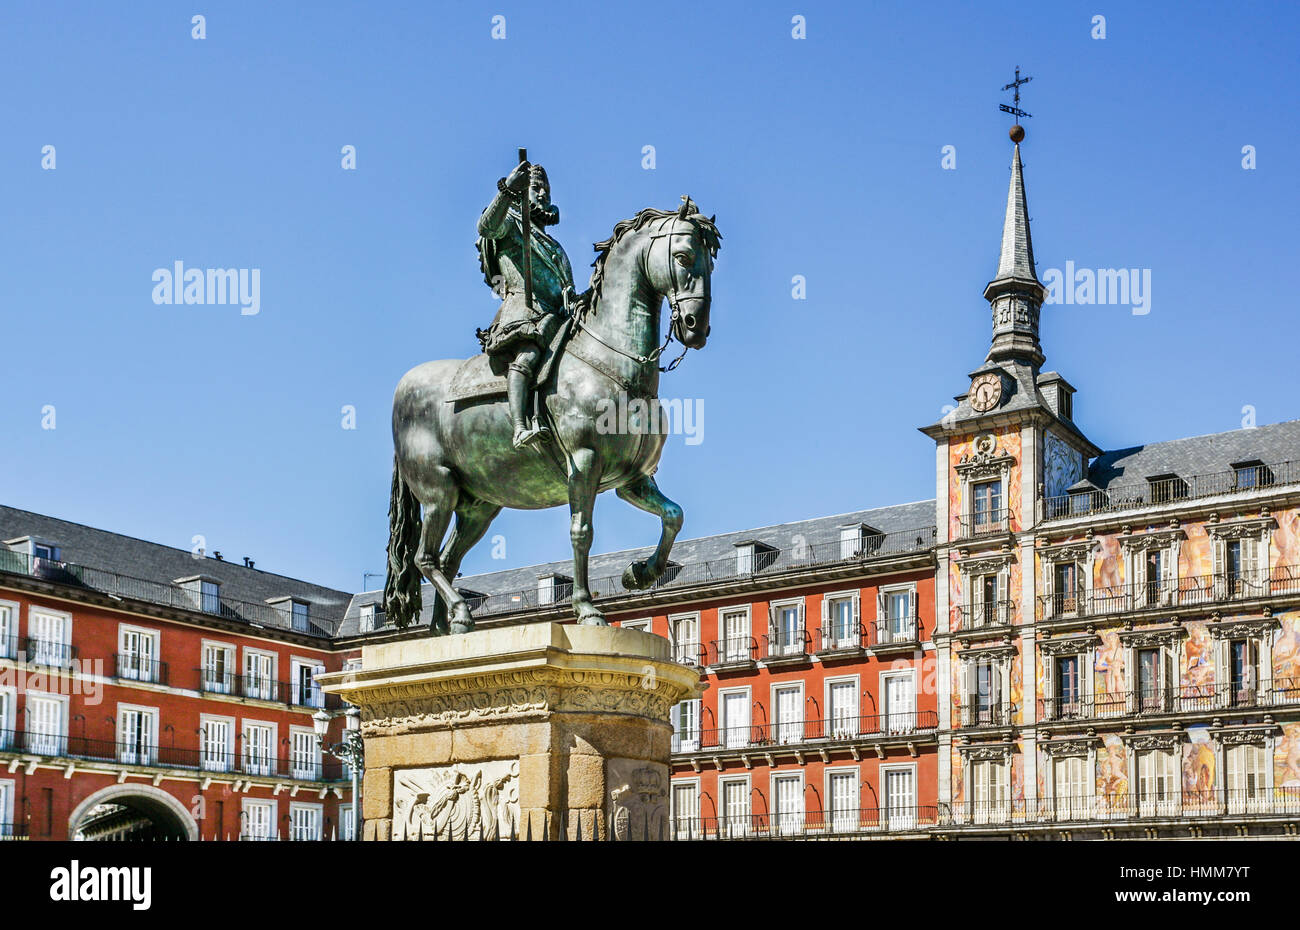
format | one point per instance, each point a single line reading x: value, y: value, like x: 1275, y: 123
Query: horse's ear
x: 685, y: 209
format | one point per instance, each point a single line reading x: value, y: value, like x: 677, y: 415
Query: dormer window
x: 367, y: 622
x: 1251, y: 474
x: 301, y: 615
x: 553, y: 588
x: 754, y: 556
x: 45, y: 551
x: 1166, y: 488
x: 202, y: 592
x: 858, y: 540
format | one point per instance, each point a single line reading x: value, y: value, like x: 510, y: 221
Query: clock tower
x: 1007, y: 446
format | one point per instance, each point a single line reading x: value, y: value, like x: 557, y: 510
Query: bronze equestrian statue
x: 463, y: 450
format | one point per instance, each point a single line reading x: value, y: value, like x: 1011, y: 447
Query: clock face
x: 985, y: 391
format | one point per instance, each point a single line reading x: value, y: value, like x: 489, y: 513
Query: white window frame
x: 908, y: 632
x: 233, y: 669
x: 994, y: 809
x: 897, y: 722
x: 144, y: 671
x: 850, y: 819
x: 130, y: 755
x: 8, y: 709
x: 295, y: 606
x: 295, y: 769
x: 730, y: 739
x: 641, y: 624
x: 246, y: 820
x: 317, y: 698
x: 51, y: 653
x: 366, y: 618
x: 739, y: 823
x: 894, y: 816
x: 686, y: 824
x: 347, y: 822
x: 1155, y: 806
x: 266, y: 693
x: 791, y: 732
x: 687, y: 743
x: 775, y: 609
x: 246, y: 765
x: 735, y: 649
x: 1259, y: 799
x: 685, y: 651
x: 783, y: 823
x: 228, y: 764
x: 9, y: 613
x: 317, y: 812
x: 7, y: 802
x: 851, y: 639
x: 853, y: 722
x: 58, y: 740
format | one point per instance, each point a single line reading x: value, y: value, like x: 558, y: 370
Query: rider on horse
x: 520, y: 334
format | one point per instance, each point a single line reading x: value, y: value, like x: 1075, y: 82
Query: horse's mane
x: 689, y: 211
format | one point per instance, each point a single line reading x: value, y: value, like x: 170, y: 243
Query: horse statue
x: 453, y: 454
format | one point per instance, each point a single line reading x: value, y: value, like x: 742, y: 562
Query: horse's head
x: 678, y: 263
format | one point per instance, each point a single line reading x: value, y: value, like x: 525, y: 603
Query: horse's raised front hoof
x: 637, y: 576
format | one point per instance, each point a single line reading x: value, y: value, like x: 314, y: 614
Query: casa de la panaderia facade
x: 1065, y: 642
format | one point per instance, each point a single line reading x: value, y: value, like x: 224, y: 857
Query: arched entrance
x: 131, y: 812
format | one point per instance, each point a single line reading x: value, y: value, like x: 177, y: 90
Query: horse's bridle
x: 674, y: 297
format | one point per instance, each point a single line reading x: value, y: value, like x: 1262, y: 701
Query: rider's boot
x: 518, y: 394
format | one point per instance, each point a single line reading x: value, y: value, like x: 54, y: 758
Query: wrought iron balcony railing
x: 813, y: 730
x: 977, y: 713
x: 131, y: 667
x: 688, y: 653
x: 984, y: 523
x: 134, y: 752
x: 796, y: 824
x: 786, y: 644
x: 736, y: 651
x: 1112, y: 808
x: 1185, y: 591
x: 841, y: 637
x: 1121, y: 497
x: 987, y: 614
x: 896, y: 631
x: 1266, y: 693
x: 261, y: 688
x: 49, y: 652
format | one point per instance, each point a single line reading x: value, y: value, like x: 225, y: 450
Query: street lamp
x: 351, y: 751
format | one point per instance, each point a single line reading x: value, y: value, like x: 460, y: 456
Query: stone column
x: 532, y: 730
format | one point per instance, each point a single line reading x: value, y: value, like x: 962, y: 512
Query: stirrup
x: 525, y: 437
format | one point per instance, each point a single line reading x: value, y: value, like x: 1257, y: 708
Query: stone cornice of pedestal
x: 525, y: 671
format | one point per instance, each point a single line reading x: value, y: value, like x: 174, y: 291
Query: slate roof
x: 690, y: 553
x: 139, y: 559
x: 1016, y: 258
x: 1211, y: 454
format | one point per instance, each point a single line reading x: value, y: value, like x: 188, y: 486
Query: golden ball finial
x: 1017, y: 133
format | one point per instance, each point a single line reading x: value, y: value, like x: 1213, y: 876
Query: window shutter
x: 1250, y: 562
x: 857, y: 611
x: 826, y: 612
x: 882, y: 609
x: 1049, y: 581
x: 771, y: 620
x: 963, y: 689
x: 1220, y: 586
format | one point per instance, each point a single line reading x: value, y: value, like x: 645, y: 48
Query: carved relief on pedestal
x: 638, y: 800
x: 478, y: 800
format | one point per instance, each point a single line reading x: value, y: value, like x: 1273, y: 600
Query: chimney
x: 248, y: 563
x: 217, y: 555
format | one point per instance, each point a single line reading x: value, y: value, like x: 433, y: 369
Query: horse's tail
x: 402, y: 588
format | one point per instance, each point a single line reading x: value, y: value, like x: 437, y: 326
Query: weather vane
x: 1017, y: 131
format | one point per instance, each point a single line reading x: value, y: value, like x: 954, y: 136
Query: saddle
x: 482, y: 377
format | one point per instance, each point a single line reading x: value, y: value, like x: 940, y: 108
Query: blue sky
x: 820, y: 157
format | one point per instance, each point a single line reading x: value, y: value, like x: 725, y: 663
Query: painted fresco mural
x: 1008, y: 442
x: 1198, y: 767
x: 1018, y: 773
x: 1062, y: 465
x: 1198, y: 661
x: 1112, y: 771
x: 1286, y: 539
x: 1286, y: 652
x: 1109, y: 669
x: 1286, y: 758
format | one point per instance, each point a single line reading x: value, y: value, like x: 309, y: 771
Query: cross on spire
x: 1014, y: 108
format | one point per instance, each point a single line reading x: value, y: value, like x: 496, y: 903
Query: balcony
x: 8, y: 647
x: 1110, y: 809
x: 739, y: 652
x: 13, y: 831
x: 784, y: 647
x: 689, y: 653
x: 846, y: 823
x: 167, y: 757
x: 987, y: 614
x: 841, y: 640
x: 903, y: 633
x: 1275, y: 692
x: 1122, y: 497
x: 131, y: 667
x: 1170, y: 593
x: 975, y: 714
x: 984, y: 523
x: 49, y: 653
x: 260, y: 688
x: 810, y: 732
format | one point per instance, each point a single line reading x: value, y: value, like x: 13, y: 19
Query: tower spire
x: 1015, y: 293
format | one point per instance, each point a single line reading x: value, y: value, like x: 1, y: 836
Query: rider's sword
x: 525, y: 209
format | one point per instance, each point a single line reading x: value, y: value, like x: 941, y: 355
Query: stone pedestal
x: 532, y: 730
